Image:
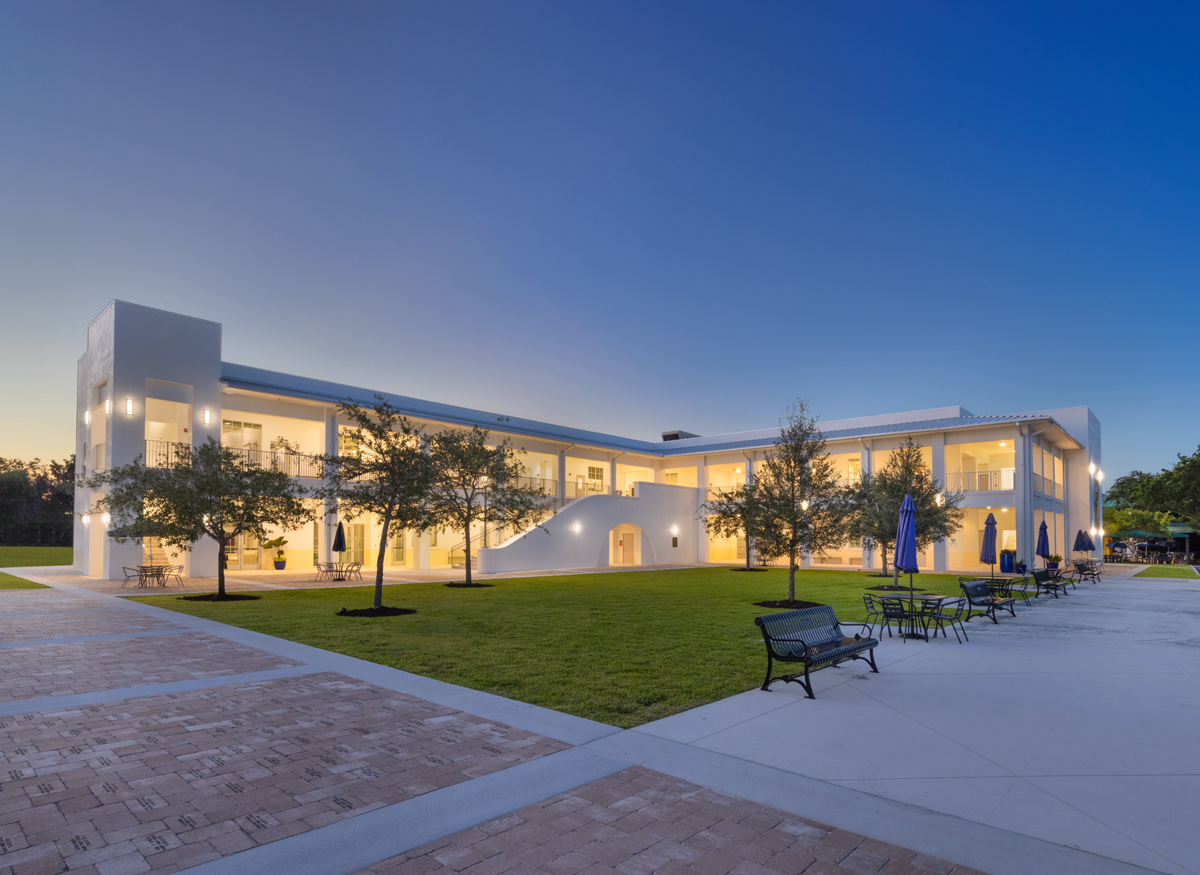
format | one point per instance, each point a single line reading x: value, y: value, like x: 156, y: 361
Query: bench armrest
x: 864, y: 626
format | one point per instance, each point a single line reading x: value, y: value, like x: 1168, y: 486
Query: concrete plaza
x: 134, y: 739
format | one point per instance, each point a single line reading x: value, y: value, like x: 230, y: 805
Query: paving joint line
x: 115, y: 636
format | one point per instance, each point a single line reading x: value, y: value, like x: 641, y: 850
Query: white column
x: 701, y: 532
x: 937, y: 464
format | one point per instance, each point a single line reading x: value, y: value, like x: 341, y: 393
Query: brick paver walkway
x: 114, y: 782
x: 641, y: 821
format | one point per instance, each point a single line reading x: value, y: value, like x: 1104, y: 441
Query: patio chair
x: 894, y: 612
x: 131, y: 574
x: 354, y: 569
x: 174, y: 571
x: 874, y: 614
x: 948, y: 611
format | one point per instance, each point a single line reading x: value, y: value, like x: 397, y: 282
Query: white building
x: 151, y: 379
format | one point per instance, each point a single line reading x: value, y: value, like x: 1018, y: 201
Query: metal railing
x: 160, y: 454
x: 999, y: 480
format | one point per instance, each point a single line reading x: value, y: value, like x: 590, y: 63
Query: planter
x: 1022, y: 568
x: 280, y: 564
x: 1052, y: 566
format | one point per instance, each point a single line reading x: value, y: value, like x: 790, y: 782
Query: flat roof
x: 260, y: 380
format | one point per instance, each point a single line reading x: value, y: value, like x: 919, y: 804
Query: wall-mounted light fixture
x: 107, y: 518
x: 940, y: 499
x: 674, y: 530
x: 1092, y: 468
x: 129, y: 407
x: 87, y: 417
x: 804, y: 504
x: 107, y: 406
x: 1093, y: 532
x: 86, y: 519
x: 207, y: 416
x: 578, y: 528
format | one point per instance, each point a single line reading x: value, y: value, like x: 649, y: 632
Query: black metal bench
x: 980, y: 596
x: 1047, y: 581
x: 814, y: 638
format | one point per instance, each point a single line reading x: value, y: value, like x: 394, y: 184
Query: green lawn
x: 622, y: 648
x: 7, y: 581
x: 20, y: 557
x: 1167, y: 571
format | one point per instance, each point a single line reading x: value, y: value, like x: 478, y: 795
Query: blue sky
x: 628, y: 217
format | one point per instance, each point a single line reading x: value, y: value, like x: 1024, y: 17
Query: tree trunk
x: 467, y: 549
x: 221, y: 569
x: 792, y: 576
x: 749, y: 550
x: 383, y: 539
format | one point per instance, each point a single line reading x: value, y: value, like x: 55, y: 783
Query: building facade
x: 151, y: 380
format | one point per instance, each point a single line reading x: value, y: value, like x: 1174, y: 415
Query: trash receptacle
x: 1007, y: 563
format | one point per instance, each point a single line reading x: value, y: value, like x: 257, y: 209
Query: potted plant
x: 276, y: 544
x: 1022, y: 568
x: 1052, y: 561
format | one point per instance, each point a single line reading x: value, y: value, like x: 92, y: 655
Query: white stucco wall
x: 578, y: 536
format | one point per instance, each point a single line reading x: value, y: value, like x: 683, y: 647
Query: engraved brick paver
x: 76, y: 623
x: 33, y: 601
x: 681, y: 827
x: 165, y: 782
x: 83, y: 666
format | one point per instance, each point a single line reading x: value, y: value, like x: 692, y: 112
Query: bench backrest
x: 1042, y: 576
x: 810, y: 626
x: 976, y: 589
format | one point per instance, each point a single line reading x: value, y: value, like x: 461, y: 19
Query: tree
x: 735, y: 512
x: 794, y: 496
x: 474, y: 483
x: 1132, y: 490
x: 388, y: 473
x: 875, y: 501
x: 1133, y: 522
x: 207, y: 490
x: 37, y: 502
x: 1177, y: 491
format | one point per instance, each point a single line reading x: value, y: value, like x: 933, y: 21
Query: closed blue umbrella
x: 1043, y: 543
x: 1082, y: 543
x: 906, y: 541
x: 987, y: 554
x: 339, y: 540
x: 1091, y: 545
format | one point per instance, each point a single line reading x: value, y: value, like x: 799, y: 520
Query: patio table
x: 912, y: 615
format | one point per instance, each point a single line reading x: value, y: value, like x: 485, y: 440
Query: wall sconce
x: 674, y: 530
x: 129, y: 407
x: 1102, y: 533
x: 1092, y: 468
x: 1093, y: 532
x: 107, y: 406
x: 107, y: 518
x: 1099, y: 476
x: 578, y: 528
x: 86, y: 519
x: 207, y: 416
x: 940, y: 499
x: 804, y: 504
x: 87, y: 417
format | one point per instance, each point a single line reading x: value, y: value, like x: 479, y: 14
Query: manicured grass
x: 622, y: 648
x: 21, y: 557
x: 7, y: 581
x: 1167, y: 571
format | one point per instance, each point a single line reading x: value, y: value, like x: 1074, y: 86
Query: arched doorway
x: 625, y: 545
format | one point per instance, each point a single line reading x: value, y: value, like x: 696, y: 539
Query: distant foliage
x: 37, y: 503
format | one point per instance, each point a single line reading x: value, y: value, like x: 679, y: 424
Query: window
x: 397, y: 547
x: 595, y: 473
x: 433, y: 537
x: 349, y: 440
x: 241, y: 435
x: 854, y: 470
x: 672, y: 478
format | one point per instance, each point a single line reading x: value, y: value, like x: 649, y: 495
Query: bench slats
x: 812, y: 637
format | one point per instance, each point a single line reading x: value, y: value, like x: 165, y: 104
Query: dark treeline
x: 37, y: 503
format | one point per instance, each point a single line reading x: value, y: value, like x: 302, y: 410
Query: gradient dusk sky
x: 627, y: 217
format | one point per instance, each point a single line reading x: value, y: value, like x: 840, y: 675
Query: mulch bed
x: 464, y: 585
x: 217, y: 597
x: 793, y: 605
x: 385, y: 611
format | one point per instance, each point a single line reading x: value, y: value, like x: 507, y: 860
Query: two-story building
x: 151, y: 380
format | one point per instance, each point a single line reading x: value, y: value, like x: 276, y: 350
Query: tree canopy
x: 204, y: 491
x: 37, y: 502
x: 875, y: 501
x: 1174, y: 491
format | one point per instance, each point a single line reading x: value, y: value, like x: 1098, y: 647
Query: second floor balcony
x: 999, y: 480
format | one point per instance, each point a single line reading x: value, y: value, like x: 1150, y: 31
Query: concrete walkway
x: 134, y: 739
